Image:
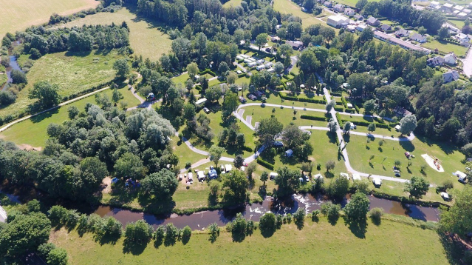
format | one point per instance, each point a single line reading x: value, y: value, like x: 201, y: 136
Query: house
x: 349, y: 12
x: 447, y: 8
x: 361, y: 27
x: 296, y: 45
x: 212, y: 174
x: 339, y: 8
x: 450, y: 58
x: 404, y: 44
x: 337, y: 21
x: 373, y: 22
x: 418, y: 37
x: 289, y: 153
x: 385, y: 28
x: 359, y: 17
x: 434, y: 5
x: 466, y: 10
x: 275, y: 38
x: 450, y: 76
x: 462, y: 15
x: 458, y: 7
x: 455, y: 12
x: 402, y: 33
x: 201, y: 101
x: 436, y: 61
x: 463, y: 39
x: 328, y: 4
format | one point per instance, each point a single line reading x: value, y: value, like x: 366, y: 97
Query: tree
x: 46, y: 94
x: 116, y: 96
x: 186, y: 234
x: 330, y: 105
x: 367, y: 34
x: 215, y: 154
x: 230, y: 104
x: 234, y: 187
x: 279, y: 68
x: 57, y: 256
x: 129, y: 166
x: 189, y: 111
x: 18, y: 77
x: 139, y: 232
x: 261, y: 40
x: 361, y: 4
x: 299, y: 217
x: 24, y: 234
x: 238, y: 161
x: 443, y: 33
x: 330, y: 164
x: 267, y: 224
x: 238, y: 228
x: 287, y: 181
x: 161, y: 184
x: 268, y: 129
x: 214, y: 231
x: 192, y: 69
x: 73, y: 112
x: 231, y: 78
x: 458, y: 219
x: 417, y: 187
x: 333, y: 126
x: 223, y: 68
x: 357, y: 207
x: 339, y: 187
x: 369, y: 106
x: 264, y: 177
x: 408, y: 124
x: 122, y: 68
x: 347, y: 127
x: 371, y: 127
x: 250, y: 169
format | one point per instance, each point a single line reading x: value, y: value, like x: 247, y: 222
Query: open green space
x: 145, y: 37
x: 19, y: 14
x: 33, y: 132
x: 288, y: 7
x: 459, y: 23
x: 391, y: 242
x: 446, y: 47
x: 181, y: 79
x: 72, y: 72
x: 233, y: 3
x: 375, y: 159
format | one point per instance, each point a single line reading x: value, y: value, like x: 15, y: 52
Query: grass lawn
x: 72, y: 72
x: 288, y: 7
x: 181, y: 79
x: 446, y: 47
x: 20, y: 14
x: 360, y: 152
x: 33, y: 131
x: 317, y: 241
x: 351, y: 3
x: 233, y: 3
x: 145, y: 37
x: 459, y: 23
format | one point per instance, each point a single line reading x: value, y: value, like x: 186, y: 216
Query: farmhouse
x: 337, y: 21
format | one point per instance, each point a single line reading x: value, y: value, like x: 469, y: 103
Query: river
x: 13, y: 66
x: 253, y: 212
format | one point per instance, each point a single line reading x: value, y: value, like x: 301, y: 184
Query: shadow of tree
x: 357, y: 227
x: 454, y: 250
x: 135, y: 248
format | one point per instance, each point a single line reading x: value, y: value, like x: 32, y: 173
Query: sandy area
x: 430, y: 162
x: 106, y: 184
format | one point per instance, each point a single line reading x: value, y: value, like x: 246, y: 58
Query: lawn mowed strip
x: 145, y: 37
x: 388, y: 243
x: 19, y: 14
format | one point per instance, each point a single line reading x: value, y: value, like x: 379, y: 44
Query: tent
x: 228, y: 167
x: 461, y: 175
x: 114, y: 180
x: 377, y: 182
x: 289, y: 153
x: 190, y: 177
x: 212, y: 174
x: 344, y: 175
x: 356, y: 177
x: 201, y: 175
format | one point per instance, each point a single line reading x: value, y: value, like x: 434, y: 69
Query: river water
x: 13, y: 66
x: 253, y: 212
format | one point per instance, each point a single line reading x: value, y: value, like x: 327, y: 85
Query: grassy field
x: 233, y: 3
x: 446, y: 47
x: 288, y: 7
x: 33, y: 132
x: 384, y: 158
x: 73, y: 72
x: 145, y: 38
x: 390, y: 242
x: 20, y: 14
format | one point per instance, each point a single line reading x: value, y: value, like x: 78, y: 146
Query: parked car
x: 397, y: 175
x: 206, y: 110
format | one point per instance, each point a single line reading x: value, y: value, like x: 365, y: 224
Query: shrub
x: 264, y: 163
x: 376, y: 214
x: 314, y: 118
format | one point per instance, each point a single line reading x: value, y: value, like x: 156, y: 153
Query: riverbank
x: 316, y: 241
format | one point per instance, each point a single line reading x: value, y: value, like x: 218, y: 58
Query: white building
x: 337, y: 21
x: 434, y: 4
x: 418, y: 37
x: 349, y: 12
x: 450, y: 58
x: 463, y: 39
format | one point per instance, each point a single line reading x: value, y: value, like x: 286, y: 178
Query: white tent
x: 228, y: 167
x: 377, y: 182
x: 344, y: 175
x: 356, y: 177
x: 318, y: 176
x: 201, y: 175
x: 190, y: 177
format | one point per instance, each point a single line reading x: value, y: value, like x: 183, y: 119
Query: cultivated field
x: 145, y: 38
x: 73, y: 72
x: 389, y: 243
x: 20, y: 14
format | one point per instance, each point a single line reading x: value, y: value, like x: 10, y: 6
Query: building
x: 339, y: 8
x: 436, y: 61
x: 463, y: 39
x: 349, y: 12
x: 275, y: 38
x: 450, y: 76
x: 296, y: 45
x: 462, y: 15
x: 434, y: 5
x: 450, y: 58
x: 458, y: 8
x: 418, y: 37
x: 373, y: 22
x: 447, y: 8
x: 385, y: 28
x: 201, y: 101
x: 328, y: 4
x: 402, y: 33
x: 395, y: 41
x: 337, y: 21
x: 359, y: 17
x: 361, y: 27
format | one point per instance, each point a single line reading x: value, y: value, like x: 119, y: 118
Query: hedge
x: 364, y: 123
x: 357, y: 108
x: 207, y: 71
x: 341, y: 109
x: 338, y: 117
x: 339, y: 103
x: 337, y: 94
x: 264, y: 163
x: 350, y: 111
x: 247, y: 148
x: 315, y: 118
x: 309, y: 100
x: 343, y: 100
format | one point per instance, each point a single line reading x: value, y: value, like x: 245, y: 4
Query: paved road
x: 467, y: 64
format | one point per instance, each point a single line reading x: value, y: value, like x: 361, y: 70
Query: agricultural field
x: 72, y: 72
x: 19, y: 14
x: 145, y: 37
x: 370, y: 157
x: 33, y: 132
x: 316, y: 241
